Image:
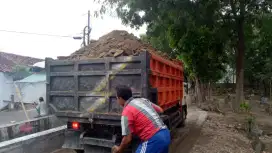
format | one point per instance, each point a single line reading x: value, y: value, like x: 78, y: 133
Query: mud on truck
x: 81, y: 91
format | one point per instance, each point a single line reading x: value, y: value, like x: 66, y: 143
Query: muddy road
x: 183, y: 139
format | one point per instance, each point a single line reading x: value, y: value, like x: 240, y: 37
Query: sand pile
x: 114, y: 44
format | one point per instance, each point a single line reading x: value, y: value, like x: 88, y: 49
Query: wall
x: 41, y: 142
x: 6, y: 89
x: 19, y: 129
x: 31, y: 91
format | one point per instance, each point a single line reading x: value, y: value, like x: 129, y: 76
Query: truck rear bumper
x: 72, y: 140
x: 93, y: 118
x: 76, y: 140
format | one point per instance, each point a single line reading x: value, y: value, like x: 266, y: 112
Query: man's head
x: 41, y: 99
x: 123, y: 93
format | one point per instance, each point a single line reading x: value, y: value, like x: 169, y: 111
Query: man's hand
x: 125, y: 142
x: 116, y: 149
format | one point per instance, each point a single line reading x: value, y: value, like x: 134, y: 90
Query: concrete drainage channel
x: 41, y: 142
x: 19, y: 129
x: 41, y: 135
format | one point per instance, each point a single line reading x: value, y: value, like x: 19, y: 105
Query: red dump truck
x: 81, y: 92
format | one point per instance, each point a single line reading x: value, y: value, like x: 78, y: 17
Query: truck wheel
x: 96, y: 149
x: 183, y: 117
x: 79, y: 151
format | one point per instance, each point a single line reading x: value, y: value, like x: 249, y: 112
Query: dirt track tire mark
x: 184, y: 139
x: 187, y: 143
x: 64, y: 151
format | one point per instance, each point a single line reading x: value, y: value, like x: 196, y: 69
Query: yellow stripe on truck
x: 103, y: 84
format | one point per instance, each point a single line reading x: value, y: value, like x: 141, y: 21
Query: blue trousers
x: 159, y: 143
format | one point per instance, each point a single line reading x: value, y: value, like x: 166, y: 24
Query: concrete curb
x: 12, y: 131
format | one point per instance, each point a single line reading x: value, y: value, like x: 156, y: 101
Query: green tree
x: 160, y: 43
x: 198, y: 41
x: 189, y: 30
x: 243, y: 12
x: 258, y: 68
x: 198, y: 28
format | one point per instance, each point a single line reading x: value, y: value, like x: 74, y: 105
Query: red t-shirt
x: 140, y: 118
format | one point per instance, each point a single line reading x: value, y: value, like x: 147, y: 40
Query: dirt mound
x: 113, y: 44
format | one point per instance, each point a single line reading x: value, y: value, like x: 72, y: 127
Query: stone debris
x: 114, y: 44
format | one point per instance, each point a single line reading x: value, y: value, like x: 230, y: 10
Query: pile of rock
x: 114, y: 44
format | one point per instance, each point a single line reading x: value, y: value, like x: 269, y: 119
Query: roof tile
x: 8, y: 61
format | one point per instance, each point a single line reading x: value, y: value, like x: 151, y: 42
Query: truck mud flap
x: 72, y: 140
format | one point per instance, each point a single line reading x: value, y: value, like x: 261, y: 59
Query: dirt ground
x: 183, y: 139
x: 226, y: 133
x: 64, y: 151
x: 212, y: 132
x: 220, y: 136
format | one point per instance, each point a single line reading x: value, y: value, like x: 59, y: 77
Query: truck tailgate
x: 83, y: 88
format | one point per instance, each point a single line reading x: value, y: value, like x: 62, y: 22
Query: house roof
x: 8, y: 61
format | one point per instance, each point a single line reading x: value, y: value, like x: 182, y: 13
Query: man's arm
x: 127, y: 130
x: 157, y: 108
x: 124, y: 144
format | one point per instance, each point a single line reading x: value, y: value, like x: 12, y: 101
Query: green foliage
x: 20, y: 72
x: 258, y: 68
x: 204, y: 33
x: 193, y: 36
x: 245, y: 107
x: 250, y: 123
x: 204, y: 54
x: 19, y: 68
x: 160, y: 43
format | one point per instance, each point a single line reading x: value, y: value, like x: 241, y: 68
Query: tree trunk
x: 240, y: 64
x: 210, y: 90
x: 233, y: 69
x: 265, y: 91
x: 198, y: 91
x: 203, y: 91
x: 233, y: 76
x: 270, y: 90
x: 192, y: 91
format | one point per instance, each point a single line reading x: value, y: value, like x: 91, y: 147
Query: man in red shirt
x: 140, y: 117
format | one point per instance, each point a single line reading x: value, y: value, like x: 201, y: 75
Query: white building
x: 31, y: 88
x: 6, y: 89
x: 8, y: 73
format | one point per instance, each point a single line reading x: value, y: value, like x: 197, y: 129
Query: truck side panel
x: 167, y: 78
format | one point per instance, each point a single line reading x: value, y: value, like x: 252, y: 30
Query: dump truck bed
x: 82, y: 93
x: 80, y: 88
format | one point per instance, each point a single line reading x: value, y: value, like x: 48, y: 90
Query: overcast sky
x: 57, y: 17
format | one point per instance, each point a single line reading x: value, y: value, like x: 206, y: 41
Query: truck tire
x: 96, y: 149
x: 183, y: 118
x: 79, y: 151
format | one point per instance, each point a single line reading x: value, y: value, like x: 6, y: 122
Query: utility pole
x: 87, y: 31
x: 89, y: 28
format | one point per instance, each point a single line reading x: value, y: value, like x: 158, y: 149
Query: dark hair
x: 123, y: 91
x: 41, y: 99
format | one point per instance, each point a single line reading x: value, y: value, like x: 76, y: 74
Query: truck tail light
x: 75, y: 125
